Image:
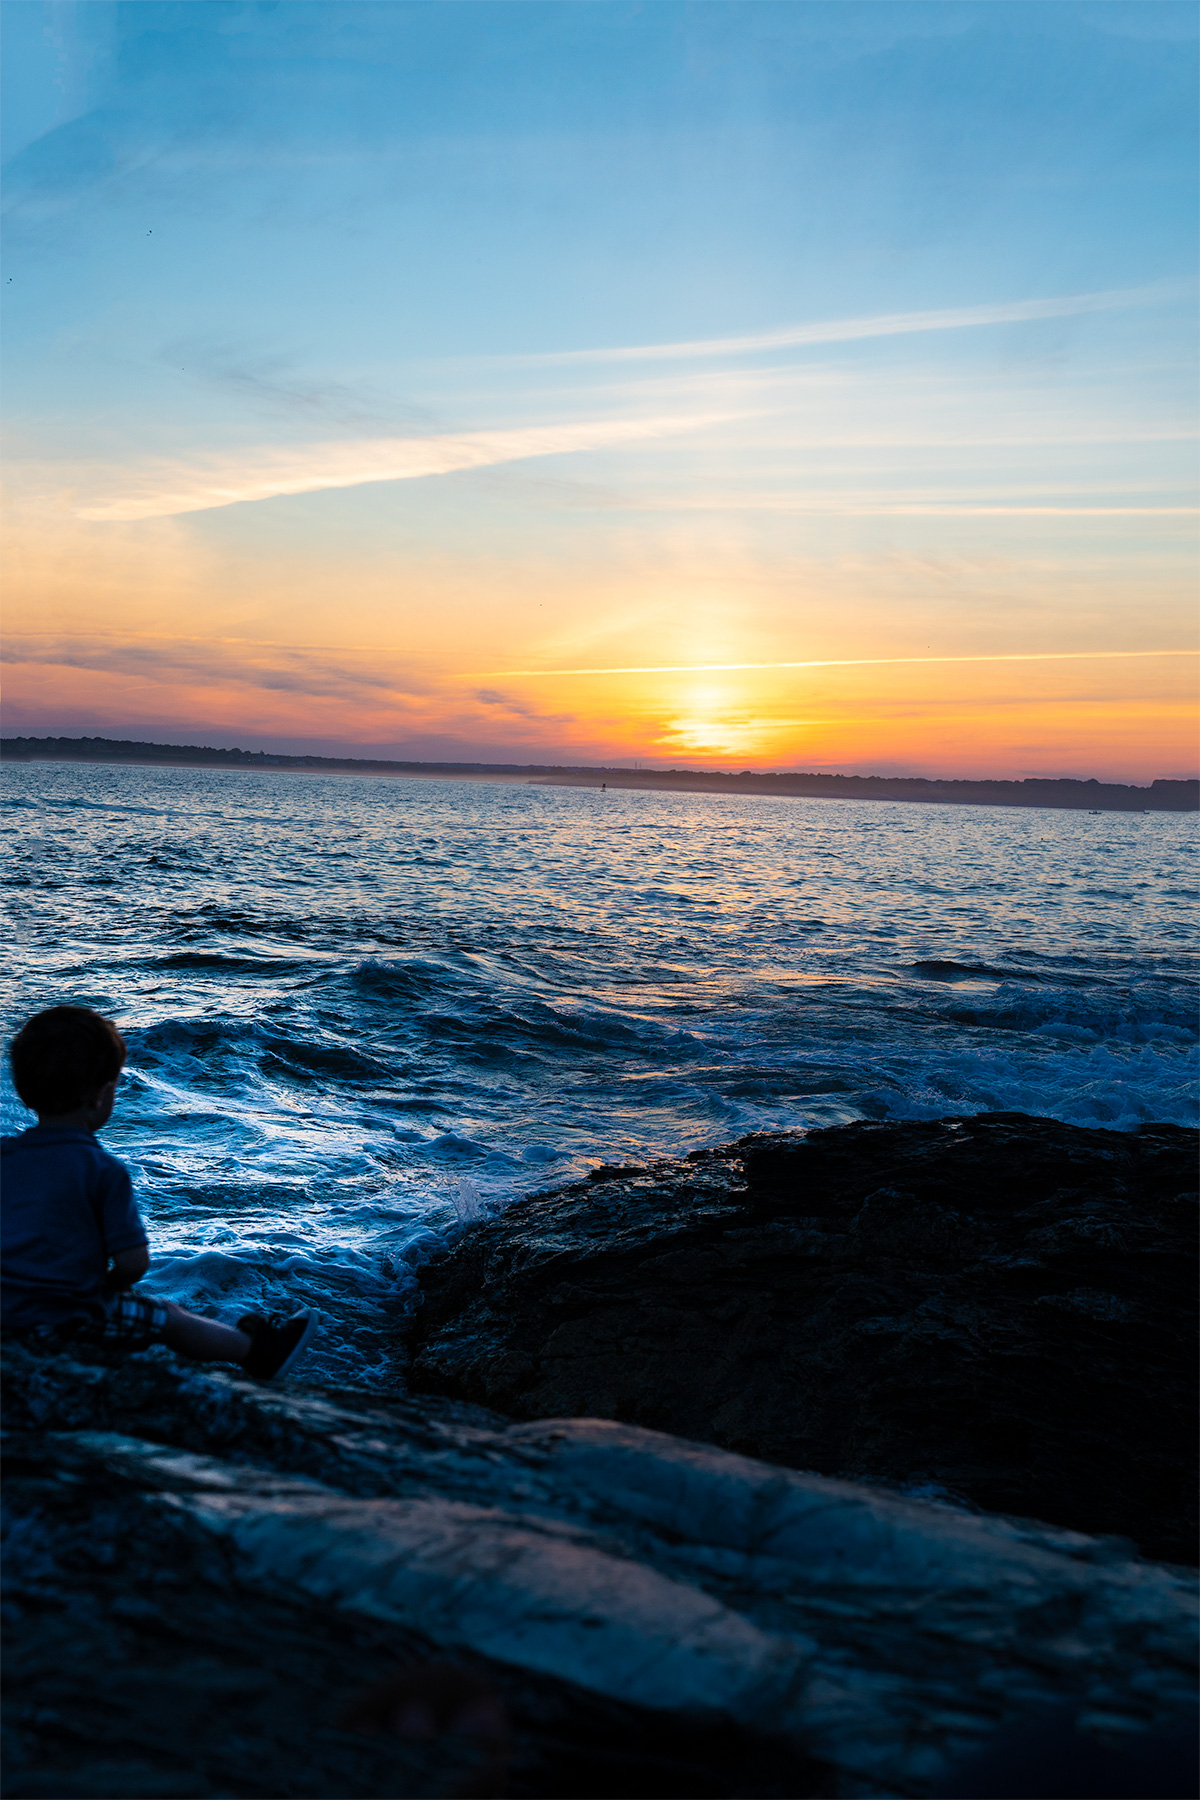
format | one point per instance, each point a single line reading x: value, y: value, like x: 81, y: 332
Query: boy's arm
x: 129, y: 1266
x: 120, y: 1224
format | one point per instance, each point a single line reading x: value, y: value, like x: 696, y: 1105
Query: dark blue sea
x: 363, y: 1011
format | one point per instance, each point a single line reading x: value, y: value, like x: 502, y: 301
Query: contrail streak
x: 836, y: 662
x: 167, y: 488
x: 836, y: 331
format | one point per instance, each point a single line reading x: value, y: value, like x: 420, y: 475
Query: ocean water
x: 363, y: 1011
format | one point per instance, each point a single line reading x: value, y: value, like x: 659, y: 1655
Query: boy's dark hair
x: 60, y: 1057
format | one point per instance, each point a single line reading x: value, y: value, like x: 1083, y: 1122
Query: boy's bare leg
x: 203, y: 1339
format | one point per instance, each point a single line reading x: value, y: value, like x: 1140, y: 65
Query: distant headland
x: 1105, y: 796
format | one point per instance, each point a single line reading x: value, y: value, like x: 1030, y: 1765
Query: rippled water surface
x: 359, y: 1010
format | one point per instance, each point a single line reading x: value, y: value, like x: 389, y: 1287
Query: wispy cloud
x: 351, y: 674
x: 838, y: 662
x: 273, y: 381
x: 506, y: 704
x: 152, y: 491
x: 837, y: 331
x: 890, y: 504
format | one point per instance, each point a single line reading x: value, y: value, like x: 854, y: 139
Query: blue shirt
x: 66, y: 1207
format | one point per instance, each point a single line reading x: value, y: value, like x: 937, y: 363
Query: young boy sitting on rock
x: 71, y: 1240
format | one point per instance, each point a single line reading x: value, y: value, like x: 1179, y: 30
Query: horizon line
x: 648, y: 766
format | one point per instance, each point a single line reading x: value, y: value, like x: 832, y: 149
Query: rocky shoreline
x: 998, y: 1310
x: 205, y: 1577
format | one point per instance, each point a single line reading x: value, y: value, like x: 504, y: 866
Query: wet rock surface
x: 203, y: 1576
x: 183, y: 1616
x: 1001, y: 1309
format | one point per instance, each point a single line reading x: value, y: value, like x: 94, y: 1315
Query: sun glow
x: 714, y: 720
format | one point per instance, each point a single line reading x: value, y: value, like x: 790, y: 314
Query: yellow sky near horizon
x: 159, y: 628
x: 437, y: 598
x: 630, y: 585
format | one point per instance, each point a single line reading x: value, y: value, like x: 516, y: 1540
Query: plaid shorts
x: 130, y: 1322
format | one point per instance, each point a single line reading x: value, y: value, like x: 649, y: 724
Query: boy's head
x: 65, y: 1061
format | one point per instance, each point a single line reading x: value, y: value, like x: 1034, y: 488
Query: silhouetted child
x: 71, y: 1240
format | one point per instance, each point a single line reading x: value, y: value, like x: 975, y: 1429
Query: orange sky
x: 168, y: 629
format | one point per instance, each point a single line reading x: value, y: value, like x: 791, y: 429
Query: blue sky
x: 308, y: 309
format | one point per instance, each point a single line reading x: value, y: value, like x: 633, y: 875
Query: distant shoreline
x: 1065, y: 794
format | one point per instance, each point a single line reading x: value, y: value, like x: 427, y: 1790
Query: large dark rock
x: 200, y: 1585
x: 1000, y: 1308
x: 204, y: 1576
